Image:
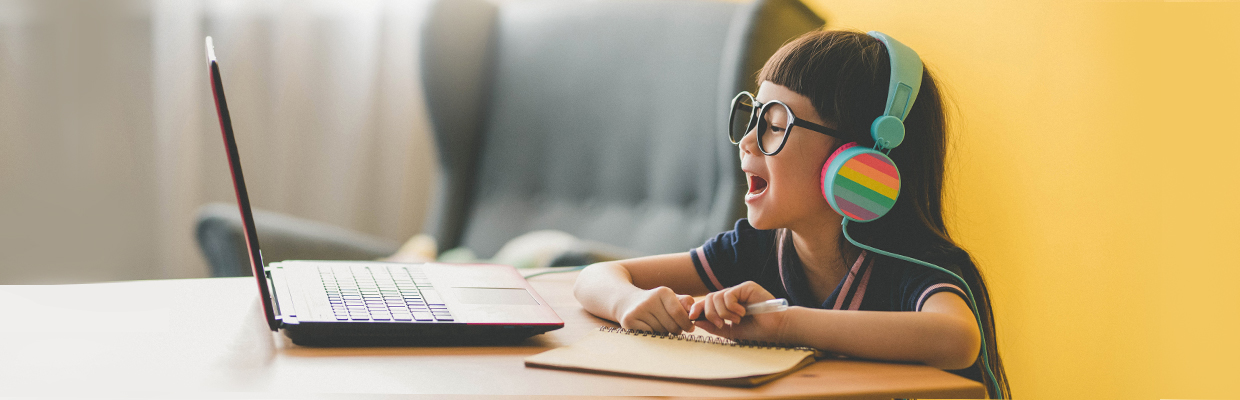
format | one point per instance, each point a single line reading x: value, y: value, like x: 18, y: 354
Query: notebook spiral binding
x: 706, y: 339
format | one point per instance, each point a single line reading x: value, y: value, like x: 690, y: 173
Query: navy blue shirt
x: 874, y: 283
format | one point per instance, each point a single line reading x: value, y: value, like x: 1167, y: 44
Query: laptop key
x: 423, y: 316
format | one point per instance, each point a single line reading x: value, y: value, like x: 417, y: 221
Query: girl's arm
x: 942, y: 335
x: 641, y: 293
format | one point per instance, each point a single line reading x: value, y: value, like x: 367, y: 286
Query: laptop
x: 369, y: 303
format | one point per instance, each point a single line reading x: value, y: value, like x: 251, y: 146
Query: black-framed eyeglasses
x: 772, y: 120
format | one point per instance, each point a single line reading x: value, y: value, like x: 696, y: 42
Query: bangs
x: 843, y: 74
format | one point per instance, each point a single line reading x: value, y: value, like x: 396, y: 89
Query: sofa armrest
x: 222, y: 240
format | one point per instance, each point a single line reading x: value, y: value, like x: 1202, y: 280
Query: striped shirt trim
x: 779, y: 259
x: 848, y: 282
x: 865, y: 282
x: 940, y: 287
x: 704, y: 270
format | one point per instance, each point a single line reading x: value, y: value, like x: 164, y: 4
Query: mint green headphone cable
x: 967, y: 291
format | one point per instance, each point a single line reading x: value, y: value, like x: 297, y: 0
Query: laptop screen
x: 243, y: 199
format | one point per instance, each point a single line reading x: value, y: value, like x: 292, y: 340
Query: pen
x: 769, y: 306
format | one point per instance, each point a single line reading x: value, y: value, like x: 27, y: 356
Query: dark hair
x: 845, y: 75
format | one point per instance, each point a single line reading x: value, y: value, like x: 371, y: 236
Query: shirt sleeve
x: 734, y: 256
x: 922, y: 282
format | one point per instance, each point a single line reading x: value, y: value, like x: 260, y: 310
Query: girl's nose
x: 749, y: 143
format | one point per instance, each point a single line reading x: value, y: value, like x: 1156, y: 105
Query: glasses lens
x: 773, y: 127
x: 741, y: 120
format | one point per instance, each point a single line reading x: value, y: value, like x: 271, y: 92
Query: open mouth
x: 757, y: 185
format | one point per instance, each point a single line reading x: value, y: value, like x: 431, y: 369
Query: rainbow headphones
x: 862, y: 184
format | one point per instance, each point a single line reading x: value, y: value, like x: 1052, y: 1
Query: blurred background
x: 1092, y: 172
x: 109, y: 140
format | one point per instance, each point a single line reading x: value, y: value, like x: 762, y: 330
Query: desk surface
x: 209, y: 336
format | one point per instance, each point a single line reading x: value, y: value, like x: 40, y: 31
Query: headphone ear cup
x: 859, y: 183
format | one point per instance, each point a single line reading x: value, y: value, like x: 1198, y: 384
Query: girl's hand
x: 725, y: 311
x: 656, y: 310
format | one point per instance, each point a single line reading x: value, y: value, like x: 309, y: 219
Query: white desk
x: 207, y: 337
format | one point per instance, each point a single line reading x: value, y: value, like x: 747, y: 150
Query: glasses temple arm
x: 823, y: 130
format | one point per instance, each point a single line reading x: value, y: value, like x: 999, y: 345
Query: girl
x: 821, y: 91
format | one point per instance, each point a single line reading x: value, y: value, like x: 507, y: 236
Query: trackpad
x: 509, y: 296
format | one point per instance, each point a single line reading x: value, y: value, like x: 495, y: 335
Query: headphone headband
x: 906, y: 69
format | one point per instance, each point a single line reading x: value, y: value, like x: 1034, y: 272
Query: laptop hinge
x: 275, y: 303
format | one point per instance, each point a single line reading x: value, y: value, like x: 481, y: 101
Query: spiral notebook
x: 691, y: 358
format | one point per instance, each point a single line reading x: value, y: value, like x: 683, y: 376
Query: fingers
x: 654, y: 324
x: 725, y: 309
x: 751, y: 292
x: 636, y: 325
x: 667, y: 322
x: 729, y: 304
x: 716, y: 311
x: 669, y: 312
x: 727, y: 331
x: 686, y: 301
x: 733, y: 304
x: 660, y: 316
x: 697, y: 310
x: 658, y: 310
x: 678, y: 313
x: 662, y: 310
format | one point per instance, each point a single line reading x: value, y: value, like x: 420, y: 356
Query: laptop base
x: 327, y: 334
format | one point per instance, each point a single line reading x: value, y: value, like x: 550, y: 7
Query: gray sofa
x: 601, y: 118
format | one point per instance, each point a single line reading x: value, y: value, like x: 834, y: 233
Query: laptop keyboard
x: 387, y: 293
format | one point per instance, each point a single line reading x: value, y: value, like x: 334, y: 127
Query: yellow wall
x: 1094, y: 177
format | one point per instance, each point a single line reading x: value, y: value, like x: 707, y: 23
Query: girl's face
x: 784, y: 189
